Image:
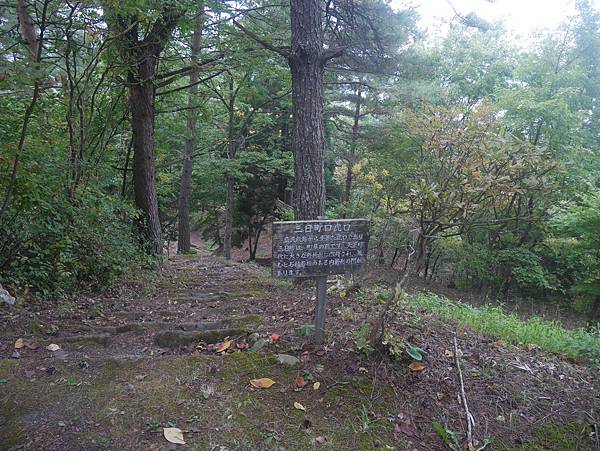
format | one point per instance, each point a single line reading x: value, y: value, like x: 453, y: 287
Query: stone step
x: 180, y: 338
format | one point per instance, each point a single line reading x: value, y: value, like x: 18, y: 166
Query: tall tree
x: 183, y: 236
x: 141, y: 57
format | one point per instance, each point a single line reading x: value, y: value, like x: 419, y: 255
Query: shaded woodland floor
x: 179, y: 348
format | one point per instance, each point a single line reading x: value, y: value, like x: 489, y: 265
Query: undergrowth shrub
x: 60, y: 245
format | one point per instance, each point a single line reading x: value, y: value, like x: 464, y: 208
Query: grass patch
x: 493, y: 321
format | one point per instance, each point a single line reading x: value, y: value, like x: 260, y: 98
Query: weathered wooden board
x: 319, y: 248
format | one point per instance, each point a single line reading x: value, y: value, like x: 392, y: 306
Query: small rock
x: 260, y: 343
x: 130, y: 387
x: 287, y: 359
x: 61, y: 424
x: 16, y: 355
x: 6, y: 297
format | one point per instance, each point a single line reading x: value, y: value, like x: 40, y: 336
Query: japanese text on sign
x: 316, y: 248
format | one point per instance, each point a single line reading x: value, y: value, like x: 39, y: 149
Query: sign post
x: 316, y: 249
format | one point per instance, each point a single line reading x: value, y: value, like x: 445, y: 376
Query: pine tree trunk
x: 231, y: 153
x: 308, y: 137
x: 141, y: 104
x: 141, y: 58
x: 352, y: 157
x: 183, y: 235
x: 228, y: 217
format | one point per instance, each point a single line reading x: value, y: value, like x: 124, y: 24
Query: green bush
x: 63, y: 245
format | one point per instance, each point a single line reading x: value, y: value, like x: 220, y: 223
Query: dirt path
x: 149, y: 358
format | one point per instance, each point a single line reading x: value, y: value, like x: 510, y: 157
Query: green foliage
x: 526, y: 268
x: 492, y: 321
x: 64, y: 246
x: 306, y: 329
x: 361, y: 341
x: 576, y: 245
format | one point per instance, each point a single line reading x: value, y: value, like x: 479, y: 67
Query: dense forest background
x: 124, y: 125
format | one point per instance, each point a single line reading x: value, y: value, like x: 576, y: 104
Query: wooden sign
x: 319, y: 248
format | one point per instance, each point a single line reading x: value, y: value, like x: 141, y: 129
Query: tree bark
x: 183, y: 237
x: 141, y: 58
x: 141, y: 104
x: 231, y: 151
x: 228, y: 217
x: 307, y: 64
x: 354, y: 139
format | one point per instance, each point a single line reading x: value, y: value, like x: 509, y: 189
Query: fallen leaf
x: 263, y: 382
x: 242, y: 345
x: 300, y: 382
x: 224, y: 346
x: 52, y: 347
x: 320, y: 440
x: 417, y: 366
x: 180, y: 402
x: 449, y: 353
x: 316, y: 385
x: 174, y: 435
x: 19, y: 343
x: 500, y: 342
x: 274, y: 337
x: 299, y: 406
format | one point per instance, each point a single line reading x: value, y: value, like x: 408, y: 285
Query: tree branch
x: 283, y: 51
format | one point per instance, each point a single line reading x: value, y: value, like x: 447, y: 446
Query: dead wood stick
x: 470, y: 420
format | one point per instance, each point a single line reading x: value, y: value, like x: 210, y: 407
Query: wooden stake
x: 320, y: 314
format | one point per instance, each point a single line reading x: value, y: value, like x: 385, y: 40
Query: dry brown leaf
x: 224, y: 346
x: 263, y: 382
x: 300, y: 382
x: 19, y: 344
x: 52, y: 347
x: 316, y: 385
x: 299, y: 406
x: 174, y: 435
x: 417, y: 366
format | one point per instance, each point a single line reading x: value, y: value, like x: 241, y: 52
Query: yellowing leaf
x: 224, y: 346
x: 417, y: 366
x: 174, y: 435
x: 263, y: 382
x: 19, y: 343
x: 52, y: 347
x: 299, y: 406
x: 316, y: 385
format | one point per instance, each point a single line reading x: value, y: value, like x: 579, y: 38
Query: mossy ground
x: 120, y: 393
x: 124, y: 403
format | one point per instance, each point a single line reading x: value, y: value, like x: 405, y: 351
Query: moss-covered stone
x: 132, y: 327
x: 96, y: 339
